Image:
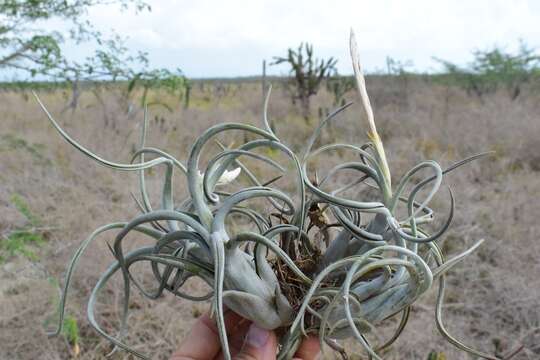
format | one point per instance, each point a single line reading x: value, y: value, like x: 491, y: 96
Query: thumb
x: 260, y: 344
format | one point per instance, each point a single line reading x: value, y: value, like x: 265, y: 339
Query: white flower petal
x: 229, y: 176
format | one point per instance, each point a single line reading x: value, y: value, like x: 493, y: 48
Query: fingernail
x: 256, y: 336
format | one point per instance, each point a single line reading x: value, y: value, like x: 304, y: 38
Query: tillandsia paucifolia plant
x: 313, y: 262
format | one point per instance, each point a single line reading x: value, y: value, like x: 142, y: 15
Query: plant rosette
x: 313, y: 261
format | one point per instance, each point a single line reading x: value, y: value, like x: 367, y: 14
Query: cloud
x: 230, y: 38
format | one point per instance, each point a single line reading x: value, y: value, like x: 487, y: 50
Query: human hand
x: 246, y: 341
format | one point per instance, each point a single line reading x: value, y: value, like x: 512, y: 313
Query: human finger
x: 309, y: 349
x: 260, y: 344
x: 202, y: 342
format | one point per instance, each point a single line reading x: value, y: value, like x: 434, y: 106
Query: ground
x: 55, y: 197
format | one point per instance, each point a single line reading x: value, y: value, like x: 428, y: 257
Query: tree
x: 175, y: 83
x: 495, y: 68
x: 307, y: 73
x: 27, y: 46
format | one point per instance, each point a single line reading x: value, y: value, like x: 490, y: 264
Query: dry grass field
x: 55, y: 197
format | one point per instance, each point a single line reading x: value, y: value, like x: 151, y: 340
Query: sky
x: 230, y: 38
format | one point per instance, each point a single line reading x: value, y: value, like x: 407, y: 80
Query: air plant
x: 318, y: 262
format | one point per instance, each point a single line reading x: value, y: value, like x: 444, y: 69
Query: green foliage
x: 174, y: 83
x: 17, y: 244
x: 70, y: 330
x: 11, y: 142
x: 26, y: 46
x: 397, y: 67
x: 494, y: 69
x: 18, y: 241
x: 434, y: 355
x: 24, y: 209
x: 307, y: 73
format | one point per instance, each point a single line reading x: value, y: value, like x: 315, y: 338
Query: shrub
x: 493, y: 69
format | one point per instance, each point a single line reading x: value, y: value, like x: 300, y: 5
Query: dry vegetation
x: 492, y: 299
